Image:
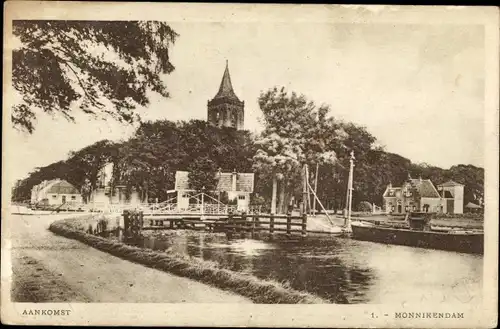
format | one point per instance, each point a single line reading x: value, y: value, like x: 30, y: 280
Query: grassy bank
x: 258, y: 290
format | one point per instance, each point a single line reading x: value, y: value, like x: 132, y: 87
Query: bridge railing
x: 231, y: 223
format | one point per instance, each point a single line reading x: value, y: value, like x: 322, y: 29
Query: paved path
x: 51, y: 268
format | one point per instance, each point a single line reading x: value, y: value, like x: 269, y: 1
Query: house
x: 238, y: 186
x: 105, y: 195
x: 447, y: 198
x: 55, y: 192
x: 452, y: 194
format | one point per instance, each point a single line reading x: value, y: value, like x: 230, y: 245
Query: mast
x: 349, y: 188
x: 315, y: 189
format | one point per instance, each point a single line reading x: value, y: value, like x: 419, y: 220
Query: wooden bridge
x: 229, y: 223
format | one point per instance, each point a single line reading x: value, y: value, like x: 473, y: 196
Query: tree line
x: 296, y: 132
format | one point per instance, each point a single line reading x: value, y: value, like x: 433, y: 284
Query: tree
x: 297, y: 132
x: 104, y: 68
x: 202, y: 175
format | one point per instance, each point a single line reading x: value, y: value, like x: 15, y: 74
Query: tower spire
x: 226, y: 109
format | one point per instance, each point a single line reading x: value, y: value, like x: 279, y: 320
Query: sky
x: 419, y: 89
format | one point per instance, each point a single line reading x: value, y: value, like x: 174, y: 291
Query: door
x: 400, y: 208
x: 450, y: 206
x: 63, y: 199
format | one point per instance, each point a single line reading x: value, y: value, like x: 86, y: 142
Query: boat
x: 416, y: 231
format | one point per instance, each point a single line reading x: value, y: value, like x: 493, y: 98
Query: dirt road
x: 50, y: 268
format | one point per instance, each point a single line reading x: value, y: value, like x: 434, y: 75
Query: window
x: 73, y: 197
x: 391, y: 193
x: 241, y: 197
x: 54, y: 196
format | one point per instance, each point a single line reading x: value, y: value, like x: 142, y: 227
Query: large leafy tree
x: 202, y: 175
x: 101, y: 67
x: 297, y: 132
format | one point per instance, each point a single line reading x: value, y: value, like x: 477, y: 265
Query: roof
x: 472, y: 205
x: 61, y: 187
x: 424, y: 186
x: 448, y: 195
x: 244, y: 181
x: 393, y: 190
x: 450, y: 183
x: 226, y: 91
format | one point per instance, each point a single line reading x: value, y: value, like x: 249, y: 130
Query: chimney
x: 390, y: 184
x: 420, y: 179
x: 233, y: 181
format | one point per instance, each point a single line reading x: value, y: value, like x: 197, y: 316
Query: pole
x: 315, y: 189
x: 273, y: 197
x: 351, y: 172
x: 202, y: 201
x: 308, y: 191
x: 304, y: 190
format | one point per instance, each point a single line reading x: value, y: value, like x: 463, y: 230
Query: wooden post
x: 172, y: 223
x: 304, y: 190
x: 126, y: 223
x: 271, y: 224
x: 304, y: 225
x: 244, y: 221
x: 230, y: 221
x: 273, y: 196
x: 202, y: 201
x: 309, y: 205
x: 315, y: 189
x: 288, y: 224
x: 253, y: 227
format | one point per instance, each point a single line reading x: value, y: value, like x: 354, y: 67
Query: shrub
x: 364, y: 206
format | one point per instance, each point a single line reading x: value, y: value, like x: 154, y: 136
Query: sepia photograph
x: 343, y: 157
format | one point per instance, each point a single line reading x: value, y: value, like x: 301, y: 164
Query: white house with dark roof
x: 447, y: 198
x: 55, y: 192
x: 452, y: 194
x: 237, y: 185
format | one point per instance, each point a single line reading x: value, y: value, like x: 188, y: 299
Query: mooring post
x: 271, y: 223
x: 253, y: 226
x: 288, y: 223
x: 244, y: 221
x: 304, y: 225
x: 230, y: 222
x: 141, y: 220
x: 126, y: 223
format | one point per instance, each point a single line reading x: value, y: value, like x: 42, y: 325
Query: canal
x: 344, y: 271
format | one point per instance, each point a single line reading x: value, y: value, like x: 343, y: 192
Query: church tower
x: 225, y: 109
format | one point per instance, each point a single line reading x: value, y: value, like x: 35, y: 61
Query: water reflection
x: 341, y: 270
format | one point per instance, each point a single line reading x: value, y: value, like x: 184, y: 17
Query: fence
x: 232, y: 223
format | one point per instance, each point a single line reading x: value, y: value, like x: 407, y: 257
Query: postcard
x: 260, y: 165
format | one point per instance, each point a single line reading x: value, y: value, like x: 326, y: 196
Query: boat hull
x: 467, y: 243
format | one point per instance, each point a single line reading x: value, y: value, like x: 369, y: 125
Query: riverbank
x: 321, y: 223
x: 251, y: 287
x: 51, y: 268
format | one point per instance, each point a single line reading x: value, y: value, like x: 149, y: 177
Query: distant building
x: 400, y: 200
x: 105, y: 195
x: 55, y: 192
x: 452, y: 195
x: 238, y: 186
x: 226, y: 109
